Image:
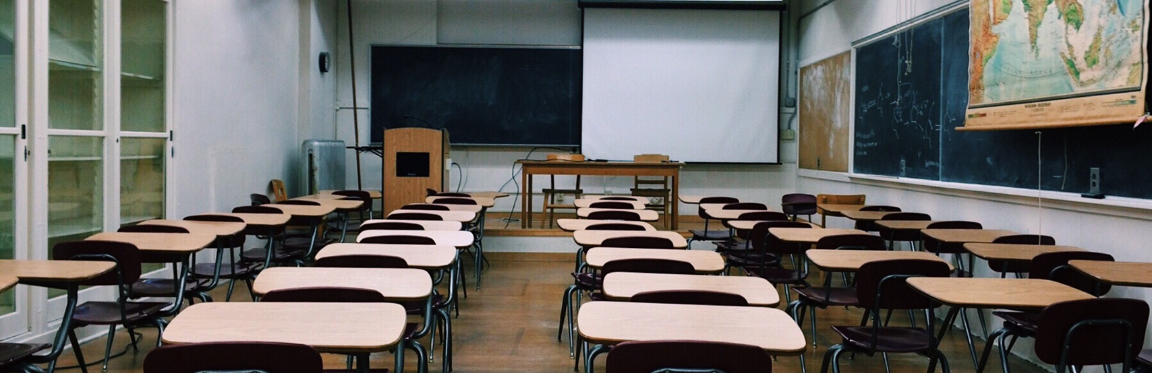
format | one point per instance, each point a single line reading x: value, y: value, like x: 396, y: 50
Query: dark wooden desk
x: 530, y: 168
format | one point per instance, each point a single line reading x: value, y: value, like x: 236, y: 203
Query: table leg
x: 362, y: 363
x: 62, y: 333
x: 675, y: 201
x: 344, y: 227
x: 525, y: 205
x: 179, y: 276
x: 399, y: 356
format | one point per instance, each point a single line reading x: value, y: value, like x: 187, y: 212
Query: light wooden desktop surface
x: 7, y: 281
x: 1012, y: 293
x: 327, y: 327
x: 904, y: 225
x: 459, y: 216
x: 600, y: 197
x: 965, y: 235
x: 429, y: 225
x: 729, y: 214
x: 482, y: 202
x: 53, y: 271
x: 596, y: 238
x: 615, y: 322
x: 1116, y: 273
x: 425, y: 257
x: 392, y: 283
x: 621, y: 286
x: 374, y: 194
x: 749, y: 224
x: 492, y: 195
x: 259, y: 219
x: 645, y: 215
x: 337, y: 204
x: 304, y: 210
x: 451, y: 207
x: 809, y: 235
x: 705, y: 262
x: 866, y: 215
x: 836, y: 209
x: 160, y: 242
x: 852, y: 260
x: 446, y: 238
x: 572, y: 225
x: 1003, y: 251
x: 215, y: 228
x: 587, y: 202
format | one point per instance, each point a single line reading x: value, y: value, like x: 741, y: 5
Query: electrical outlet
x: 559, y: 198
x: 788, y: 134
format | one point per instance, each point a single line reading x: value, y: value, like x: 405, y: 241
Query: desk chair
x: 234, y: 357
x: 234, y: 271
x: 797, y: 204
x: 769, y: 251
x: 614, y: 215
x: 164, y: 287
x: 365, y: 212
x: 814, y: 297
x: 687, y: 356
x: 414, y: 215
x: 707, y: 235
x: 391, y: 226
x: 1091, y: 332
x: 869, y: 226
x: 838, y: 199
x: 13, y: 356
x: 259, y: 199
x: 894, y: 236
x: 550, y: 193
x: 653, y: 188
x: 278, y: 190
x: 1018, y: 266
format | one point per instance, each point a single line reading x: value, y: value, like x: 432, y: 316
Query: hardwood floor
x: 510, y: 326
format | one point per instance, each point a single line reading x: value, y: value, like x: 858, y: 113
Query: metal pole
x: 355, y: 107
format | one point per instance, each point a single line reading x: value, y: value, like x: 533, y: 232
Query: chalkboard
x: 481, y: 95
x: 888, y: 125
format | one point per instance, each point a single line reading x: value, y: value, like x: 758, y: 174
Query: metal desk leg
x: 62, y: 333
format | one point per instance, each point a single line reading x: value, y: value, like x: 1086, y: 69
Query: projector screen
x: 697, y: 85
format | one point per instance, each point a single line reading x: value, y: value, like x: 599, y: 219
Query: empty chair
x: 234, y: 357
x: 768, y: 251
x: 271, y: 254
x: 869, y: 226
x: 614, y: 215
x: 550, y: 193
x: 365, y: 211
x: 741, y: 241
x: 611, y: 205
x: 958, y: 251
x: 259, y: 199
x: 1091, y: 332
x: 910, y: 236
x: 234, y: 270
x: 163, y: 287
x: 610, y: 226
x: 797, y: 204
x: 1018, y: 266
x: 813, y: 297
x: 654, y: 187
x: 687, y: 356
x: 638, y: 242
x: 308, y: 243
x: 708, y: 235
x: 701, y: 297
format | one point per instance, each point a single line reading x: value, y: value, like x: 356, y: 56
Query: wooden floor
x: 510, y: 326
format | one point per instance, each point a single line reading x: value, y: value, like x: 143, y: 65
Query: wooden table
x: 633, y: 198
x: 459, y: 239
x: 7, y: 281
x: 866, y: 215
x: 705, y: 262
x: 429, y: 225
x: 373, y: 194
x: 834, y: 209
x: 426, y: 257
x: 572, y: 225
x: 215, y: 228
x: 482, y: 202
x: 645, y: 215
x: 393, y: 283
x: 809, y: 235
x: 336, y: 204
x: 728, y: 214
x: 1004, y: 251
x: 176, y: 247
x: 451, y: 207
x: 621, y: 286
x: 852, y: 260
x: 347, y: 328
x: 55, y: 273
x: 1116, y: 273
x: 530, y: 168
x: 596, y: 238
x: 458, y: 216
x: 587, y: 203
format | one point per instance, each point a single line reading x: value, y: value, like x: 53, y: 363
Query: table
x: 692, y: 200
x: 215, y: 228
x: 483, y: 202
x: 374, y: 194
x: 962, y: 236
x: 728, y: 214
x: 179, y: 247
x: 262, y: 220
x: 834, y: 209
x: 393, y: 283
x: 1116, y: 273
x: 705, y: 262
x: 587, y: 203
x: 809, y: 235
x: 596, y: 238
x: 55, y: 273
x: 634, y: 198
x: 459, y: 239
x: 867, y: 216
x: 426, y: 257
x: 7, y: 282
x: 1004, y: 251
x: 305, y: 210
x: 458, y: 216
x: 852, y: 260
x: 451, y: 207
x: 429, y: 225
x: 530, y: 168
x: 492, y: 195
x: 348, y: 328
x: 749, y: 224
x: 572, y: 225
x: 645, y: 215
x: 621, y: 286
x: 337, y: 204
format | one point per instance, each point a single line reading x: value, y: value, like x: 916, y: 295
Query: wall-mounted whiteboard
x: 698, y: 85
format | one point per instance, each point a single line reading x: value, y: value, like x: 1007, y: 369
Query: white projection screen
x: 697, y: 85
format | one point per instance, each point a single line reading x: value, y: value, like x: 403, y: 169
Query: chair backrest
x: 1054, y: 266
x: 299, y: 202
x: 400, y: 240
x: 907, y: 216
x: 696, y: 356
x: 614, y: 227
x: 455, y: 201
x: 851, y: 242
x: 465, y: 195
x: 877, y: 289
x: 639, y: 242
x: 611, y: 205
x: 126, y: 256
x: 798, y: 204
x: 841, y: 199
x: 617, y: 199
x: 564, y: 157
x: 236, y: 240
x: 1026, y: 239
x: 257, y: 210
x: 763, y: 215
x: 278, y: 190
x: 1091, y: 332
x: 362, y: 261
x: 745, y: 206
x: 955, y: 224
x: 258, y: 199
x: 765, y: 242
x: 700, y: 297
x: 879, y: 208
x: 148, y: 228
x: 425, y: 207
x: 324, y: 295
x: 391, y: 226
x: 414, y: 216
x: 666, y: 266
x: 614, y: 215
x: 234, y: 356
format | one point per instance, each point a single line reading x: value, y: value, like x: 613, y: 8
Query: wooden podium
x: 413, y: 163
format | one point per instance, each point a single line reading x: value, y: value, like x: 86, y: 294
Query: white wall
x: 1093, y: 226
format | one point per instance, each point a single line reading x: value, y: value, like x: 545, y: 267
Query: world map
x: 1032, y: 50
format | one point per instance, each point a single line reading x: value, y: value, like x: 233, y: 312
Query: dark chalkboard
x: 481, y: 95
x: 893, y: 101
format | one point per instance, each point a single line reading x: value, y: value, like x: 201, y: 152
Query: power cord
x: 516, y: 172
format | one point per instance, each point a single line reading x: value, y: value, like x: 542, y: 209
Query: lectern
x: 413, y: 163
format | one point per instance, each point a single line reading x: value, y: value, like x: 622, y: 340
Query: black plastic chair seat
x: 889, y: 339
x: 239, y: 270
x: 698, y: 235
x: 749, y: 258
x: 775, y: 275
x: 163, y: 287
x: 587, y: 281
x: 258, y: 254
x: 1010, y: 266
x: 900, y: 235
x: 734, y: 244
x: 835, y: 296
x: 1023, y: 324
x: 106, y: 313
x: 597, y: 297
x: 14, y: 352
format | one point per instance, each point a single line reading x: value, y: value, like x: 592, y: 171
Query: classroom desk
x: 587, y: 203
x: 596, y: 238
x: 749, y: 224
x: 220, y: 229
x: 963, y: 236
x: 645, y: 215
x: 1014, y: 294
x: 572, y: 225
x: 178, y: 248
x: 834, y: 209
x: 609, y: 323
x: 705, y: 262
x: 429, y: 225
x: 866, y: 216
x: 7, y: 282
x: 1016, y: 252
x: 852, y: 260
x: 458, y: 216
x: 399, y: 284
x: 492, y: 195
x: 346, y: 328
x: 259, y: 220
x: 426, y: 257
x: 335, y: 204
x: 728, y: 214
x: 315, y: 214
x: 482, y: 202
x: 55, y: 273
x: 901, y: 226
x: 621, y: 286
x: 458, y: 239
x: 602, y: 197
x: 1135, y: 274
x: 451, y: 207
x: 327, y: 194
x: 809, y: 235
x: 530, y: 168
